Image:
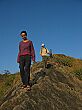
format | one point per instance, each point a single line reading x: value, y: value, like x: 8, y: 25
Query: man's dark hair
x: 24, y: 32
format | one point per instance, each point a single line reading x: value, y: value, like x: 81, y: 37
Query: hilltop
x: 58, y: 87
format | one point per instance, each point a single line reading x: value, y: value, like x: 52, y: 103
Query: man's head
x: 43, y: 45
x: 23, y: 35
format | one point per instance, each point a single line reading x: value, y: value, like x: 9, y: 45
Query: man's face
x: 23, y: 35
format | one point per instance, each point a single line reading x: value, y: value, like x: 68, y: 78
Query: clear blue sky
x: 57, y: 23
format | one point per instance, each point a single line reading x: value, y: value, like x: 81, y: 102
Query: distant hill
x: 58, y: 87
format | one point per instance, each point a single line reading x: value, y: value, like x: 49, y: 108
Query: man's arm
x: 32, y: 52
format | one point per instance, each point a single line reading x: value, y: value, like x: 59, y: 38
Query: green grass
x: 68, y: 64
x: 6, y: 82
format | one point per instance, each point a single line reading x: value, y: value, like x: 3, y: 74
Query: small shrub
x: 78, y: 73
x: 63, y: 60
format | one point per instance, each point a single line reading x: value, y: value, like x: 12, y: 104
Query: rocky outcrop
x: 51, y: 90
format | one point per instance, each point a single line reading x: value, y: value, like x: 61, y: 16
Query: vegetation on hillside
x: 59, y: 62
x: 6, y: 83
x: 63, y: 63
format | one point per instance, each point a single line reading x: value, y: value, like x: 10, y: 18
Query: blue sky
x: 57, y: 23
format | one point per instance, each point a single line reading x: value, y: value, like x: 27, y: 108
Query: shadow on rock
x: 37, y: 76
x: 49, y: 66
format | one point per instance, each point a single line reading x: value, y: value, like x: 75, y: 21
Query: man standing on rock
x: 44, y: 53
x: 26, y: 52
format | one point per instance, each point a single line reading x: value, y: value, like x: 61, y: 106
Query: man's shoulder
x: 30, y: 41
x: 20, y: 42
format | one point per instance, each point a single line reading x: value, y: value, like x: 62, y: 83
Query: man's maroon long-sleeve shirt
x: 26, y: 48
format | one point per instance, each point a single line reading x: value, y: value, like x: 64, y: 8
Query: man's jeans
x: 44, y: 59
x: 25, y: 62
